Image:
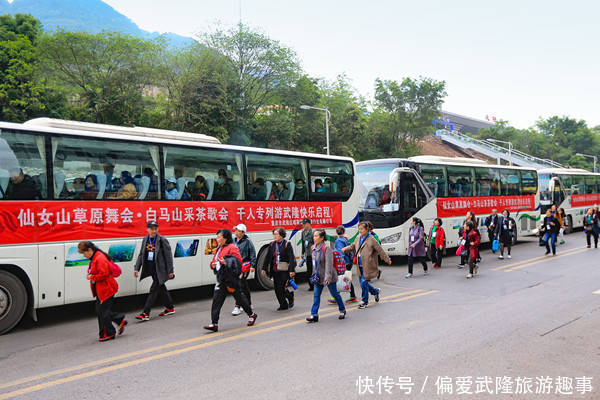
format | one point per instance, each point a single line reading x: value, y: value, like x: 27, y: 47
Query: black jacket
x: 286, y: 254
x: 163, y: 257
x: 553, y: 228
x: 247, y: 250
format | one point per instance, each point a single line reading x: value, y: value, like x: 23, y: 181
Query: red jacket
x: 230, y: 249
x: 106, y: 286
x: 474, y: 237
x: 440, y: 237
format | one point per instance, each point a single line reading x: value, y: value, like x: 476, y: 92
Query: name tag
x: 217, y: 265
x: 150, y: 256
x: 412, y: 238
x: 548, y: 226
x: 434, y: 234
x: 306, y: 243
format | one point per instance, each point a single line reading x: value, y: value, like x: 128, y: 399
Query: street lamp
x: 589, y: 156
x: 327, y: 116
x: 509, y: 147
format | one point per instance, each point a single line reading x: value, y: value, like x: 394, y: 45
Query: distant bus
x: 62, y: 182
x: 392, y: 191
x: 575, y: 190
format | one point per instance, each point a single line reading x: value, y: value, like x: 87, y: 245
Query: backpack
x: 231, y: 271
x: 339, y: 263
x: 115, y: 270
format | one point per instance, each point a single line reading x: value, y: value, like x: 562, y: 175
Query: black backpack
x: 231, y: 271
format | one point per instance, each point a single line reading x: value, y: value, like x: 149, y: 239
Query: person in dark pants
x: 307, y: 243
x: 281, y: 266
x: 437, y: 241
x: 551, y: 227
x: 491, y: 222
x: 156, y: 258
x: 590, y: 225
x: 474, y: 240
x: 340, y: 243
x: 226, y: 255
x: 104, y: 287
x: 416, y: 246
x: 248, y: 253
x: 505, y: 231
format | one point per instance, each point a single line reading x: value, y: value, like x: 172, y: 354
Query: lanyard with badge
x: 217, y: 263
x: 151, y: 249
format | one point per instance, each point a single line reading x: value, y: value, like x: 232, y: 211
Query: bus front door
x: 408, y: 195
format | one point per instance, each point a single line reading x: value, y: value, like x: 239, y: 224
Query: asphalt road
x: 526, y: 324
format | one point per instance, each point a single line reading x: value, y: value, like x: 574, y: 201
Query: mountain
x: 84, y: 15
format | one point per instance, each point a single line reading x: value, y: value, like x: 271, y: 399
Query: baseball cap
x: 306, y: 221
x: 240, y: 227
x: 152, y: 224
x: 172, y: 180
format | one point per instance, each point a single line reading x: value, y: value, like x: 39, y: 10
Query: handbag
x: 460, y: 250
x: 283, y: 266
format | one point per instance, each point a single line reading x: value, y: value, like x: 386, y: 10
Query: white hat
x: 172, y: 180
x: 240, y: 227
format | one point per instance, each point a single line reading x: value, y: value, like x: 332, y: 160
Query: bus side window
x: 22, y: 166
x: 276, y: 178
x: 333, y: 180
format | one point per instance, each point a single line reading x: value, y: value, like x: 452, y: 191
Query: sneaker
x: 437, y: 266
x: 460, y: 266
x: 342, y: 315
x: 142, y: 317
x: 508, y: 256
x: 588, y: 246
x: 236, y: 310
x: 106, y: 338
x: 501, y: 257
x: 475, y: 270
x: 548, y: 252
x: 122, y: 326
x: 332, y: 301
x: 377, y: 295
x: 562, y: 242
x: 168, y: 311
x: 212, y: 327
x: 312, y: 318
x: 425, y: 272
x: 362, y: 305
x: 352, y: 300
x: 469, y: 276
x: 408, y: 275
x: 252, y: 319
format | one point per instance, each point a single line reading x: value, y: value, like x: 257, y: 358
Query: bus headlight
x: 392, y: 238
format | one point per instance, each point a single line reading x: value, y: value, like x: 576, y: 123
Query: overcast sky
x: 516, y: 60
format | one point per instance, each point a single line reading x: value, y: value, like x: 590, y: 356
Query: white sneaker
x: 236, y: 311
x: 425, y: 272
x: 408, y: 275
x: 501, y: 257
x: 460, y: 266
x: 469, y: 276
x: 508, y: 256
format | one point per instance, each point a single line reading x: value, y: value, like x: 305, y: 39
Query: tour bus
x: 392, y: 191
x: 62, y: 182
x: 575, y: 190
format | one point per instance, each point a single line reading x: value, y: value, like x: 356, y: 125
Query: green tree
x: 104, y: 74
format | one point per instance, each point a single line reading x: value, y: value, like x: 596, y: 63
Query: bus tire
x: 263, y: 282
x: 514, y: 238
x: 13, y: 301
x: 569, y: 228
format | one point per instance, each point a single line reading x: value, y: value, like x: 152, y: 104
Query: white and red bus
x: 392, y: 191
x: 62, y: 182
x: 575, y: 190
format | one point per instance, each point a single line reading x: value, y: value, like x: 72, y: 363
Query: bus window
x: 509, y: 182
x: 110, y: 170
x: 487, y: 182
x: 528, y: 183
x: 567, y: 184
x: 201, y: 174
x: 590, y: 184
x: 22, y: 166
x: 460, y: 181
x: 435, y: 178
x: 331, y: 180
x: 275, y: 178
x: 577, y: 184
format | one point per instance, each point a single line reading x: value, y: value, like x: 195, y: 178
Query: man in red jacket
x: 104, y: 287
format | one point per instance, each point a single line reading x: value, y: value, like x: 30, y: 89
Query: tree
x: 104, y: 74
x: 261, y: 66
x: 404, y: 112
x: 23, y: 95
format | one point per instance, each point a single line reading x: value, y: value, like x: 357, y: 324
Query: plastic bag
x: 459, y: 250
x: 495, y: 245
x: 344, y: 282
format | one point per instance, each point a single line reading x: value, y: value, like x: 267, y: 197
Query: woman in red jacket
x: 104, y: 287
x: 473, y: 240
x: 437, y: 241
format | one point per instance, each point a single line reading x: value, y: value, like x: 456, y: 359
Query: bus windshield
x: 374, y: 179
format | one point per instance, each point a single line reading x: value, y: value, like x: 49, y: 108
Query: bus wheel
x: 13, y: 301
x: 264, y: 282
x: 570, y: 227
x: 514, y: 239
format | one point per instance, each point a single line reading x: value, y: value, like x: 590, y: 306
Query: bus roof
x: 430, y: 159
x: 567, y: 171
x: 90, y: 130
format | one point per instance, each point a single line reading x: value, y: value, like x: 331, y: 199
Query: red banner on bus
x: 581, y: 200
x: 55, y: 221
x: 458, y: 206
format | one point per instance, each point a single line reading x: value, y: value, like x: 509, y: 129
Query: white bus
x: 62, y: 182
x: 392, y: 191
x: 575, y: 190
